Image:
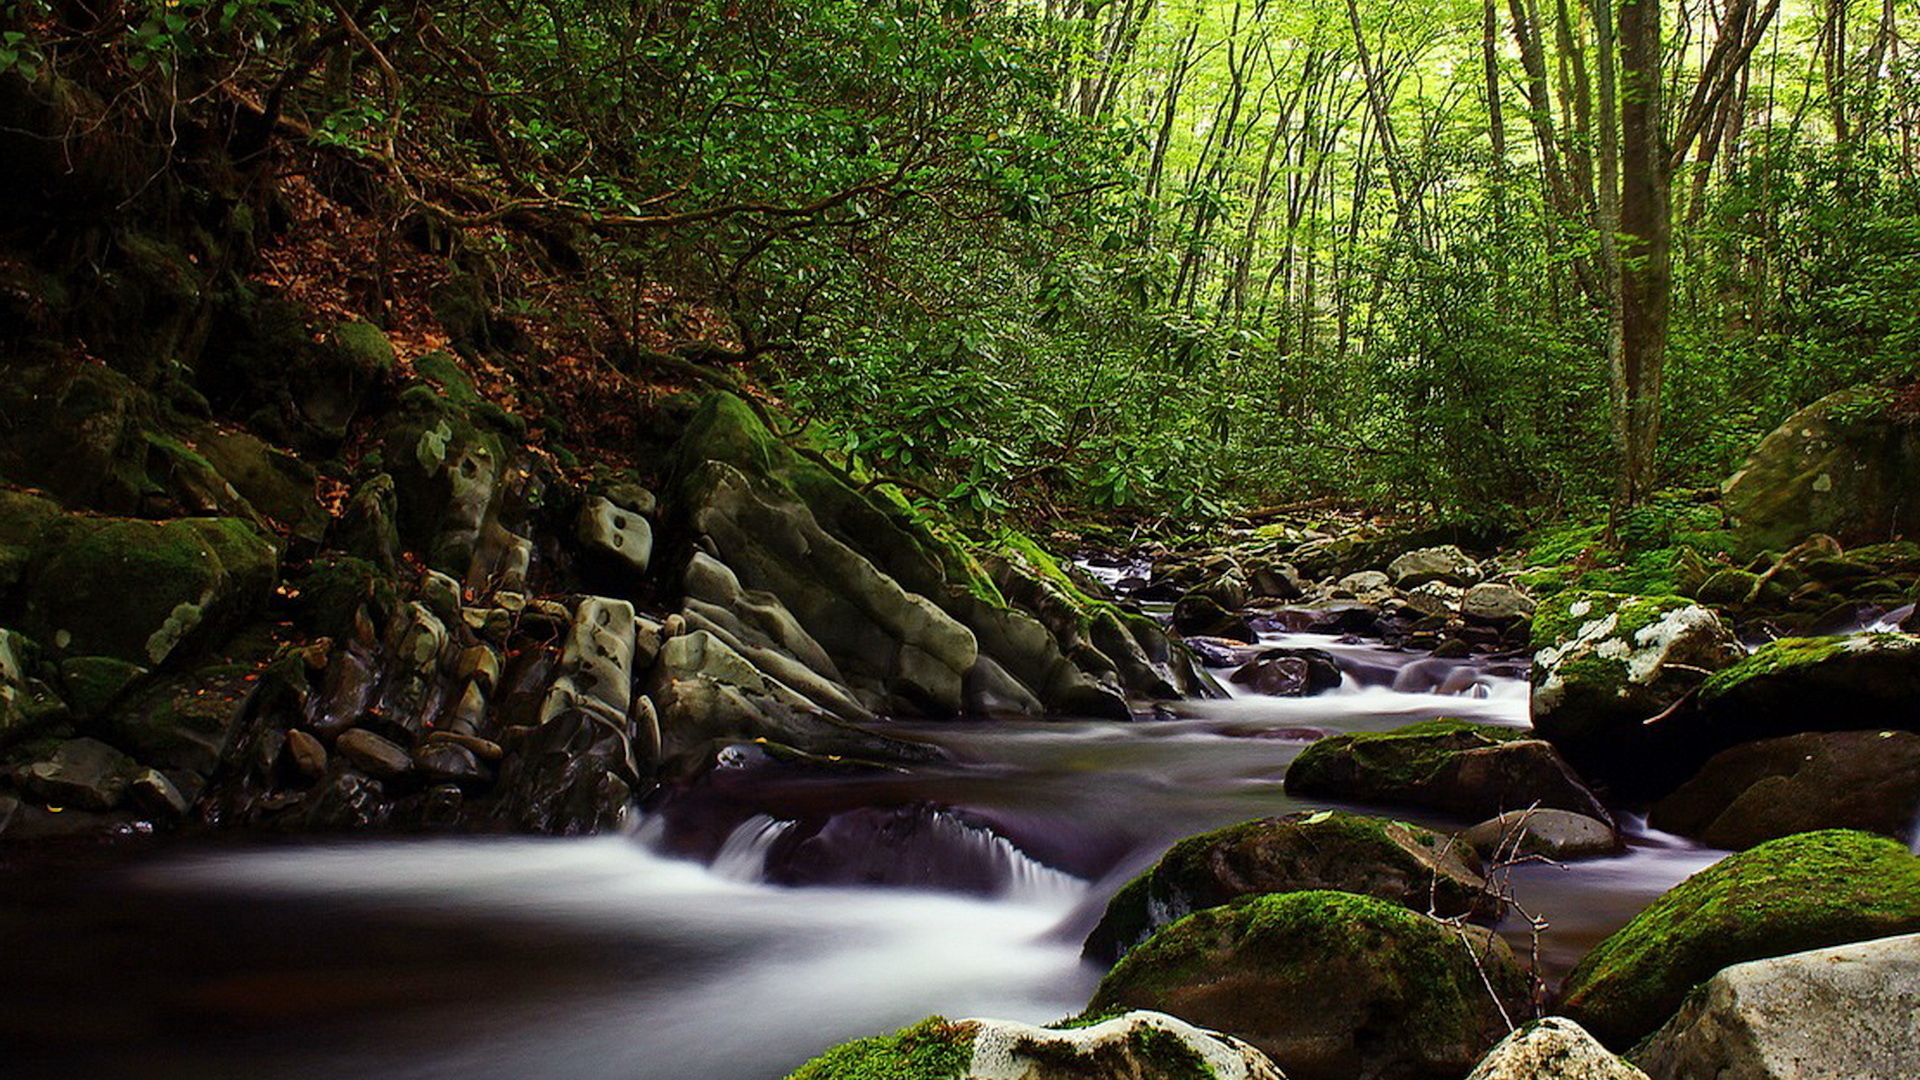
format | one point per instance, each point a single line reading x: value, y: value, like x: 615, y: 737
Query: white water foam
x: 744, y: 856
x: 752, y: 980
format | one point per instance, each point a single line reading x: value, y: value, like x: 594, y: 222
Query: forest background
x: 1500, y: 260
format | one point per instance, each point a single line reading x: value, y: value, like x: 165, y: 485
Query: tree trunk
x: 1646, y: 280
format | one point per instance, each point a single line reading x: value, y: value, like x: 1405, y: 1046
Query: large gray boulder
x: 1445, y: 564
x: 1850, y: 1011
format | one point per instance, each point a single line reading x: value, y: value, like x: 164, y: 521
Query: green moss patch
x: 1323, y: 979
x: 933, y: 1049
x: 1784, y: 896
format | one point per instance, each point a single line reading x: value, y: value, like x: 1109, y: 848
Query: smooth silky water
x: 666, y: 954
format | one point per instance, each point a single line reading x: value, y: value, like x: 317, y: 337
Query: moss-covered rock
x: 1816, y: 684
x: 275, y: 483
x: 23, y: 519
x: 1800, y: 892
x: 1747, y: 794
x: 1454, y: 766
x: 1330, y: 985
x: 912, y: 621
x: 933, y: 1049
x: 1137, y: 1046
x: 139, y: 590
x: 1844, y: 466
x: 1604, y: 663
x: 75, y: 429
x: 446, y: 473
x: 1405, y: 864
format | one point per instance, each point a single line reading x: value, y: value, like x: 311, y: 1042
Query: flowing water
x: 738, y: 929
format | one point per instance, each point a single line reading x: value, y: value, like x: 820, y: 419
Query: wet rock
x: 1197, y: 615
x: 153, y: 793
x: 442, y: 762
x: 344, y: 800
x: 1561, y: 835
x: 617, y: 535
x: 1848, y: 1011
x: 1553, y: 1049
x: 1844, y: 466
x: 1868, y: 780
x: 1404, y: 864
x: 86, y: 774
x: 1228, y: 590
x: 1472, y: 770
x: 1330, y: 985
x: 308, y: 754
x: 1289, y: 673
x: 1446, y: 564
x: 377, y: 757
x: 572, y: 775
x: 707, y: 692
x: 1221, y: 652
x: 1495, y: 604
x: 1800, y: 892
x: 1605, y: 663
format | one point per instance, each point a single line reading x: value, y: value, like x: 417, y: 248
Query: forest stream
x: 683, y: 948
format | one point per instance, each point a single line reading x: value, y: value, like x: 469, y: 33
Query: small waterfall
x: 744, y: 856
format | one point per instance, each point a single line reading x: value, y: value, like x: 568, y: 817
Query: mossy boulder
x: 1757, y: 791
x: 1471, y: 770
x: 1799, y: 892
x: 139, y: 590
x: 1844, y: 466
x: 1140, y: 1045
x: 1815, y: 684
x: 1330, y: 985
x: 278, y: 485
x: 1405, y: 864
x: 1605, y: 663
x: 75, y: 429
x: 23, y: 519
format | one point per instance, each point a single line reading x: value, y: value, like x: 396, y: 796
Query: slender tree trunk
x: 1646, y: 281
